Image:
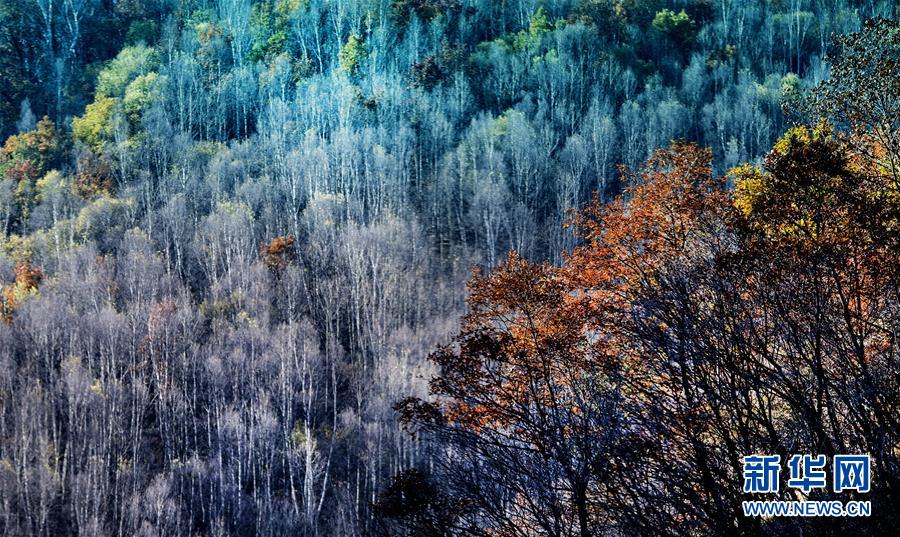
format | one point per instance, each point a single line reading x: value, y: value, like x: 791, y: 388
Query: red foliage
x: 28, y: 278
x: 278, y: 253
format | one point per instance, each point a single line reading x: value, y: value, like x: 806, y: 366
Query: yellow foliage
x: 749, y: 183
x: 97, y: 388
x: 96, y: 126
x: 17, y: 247
x: 26, y: 284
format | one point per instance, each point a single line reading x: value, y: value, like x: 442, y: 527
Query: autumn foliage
x: 94, y: 177
x: 28, y: 278
x: 29, y: 155
x: 694, y: 324
x: 670, y: 212
x: 278, y: 252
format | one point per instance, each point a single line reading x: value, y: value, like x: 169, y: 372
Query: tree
x: 129, y: 64
x: 426, y: 74
x: 402, y: 10
x: 635, y: 267
x: 28, y: 278
x: 246, y: 262
x: 861, y: 94
x: 528, y: 399
x: 278, y: 253
x: 97, y: 126
x: 821, y: 211
x: 27, y: 120
x: 352, y: 54
x: 141, y: 94
x: 678, y: 26
x: 24, y: 159
x: 37, y: 149
x: 694, y: 325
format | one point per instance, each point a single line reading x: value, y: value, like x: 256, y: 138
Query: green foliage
x: 500, y: 126
x: 129, y: 64
x: 539, y: 24
x: 791, y: 88
x: 527, y: 42
x: 678, y: 26
x: 141, y: 93
x: 298, y: 435
x: 721, y: 55
x: 806, y: 170
x: 24, y: 196
x: 607, y: 17
x: 235, y: 208
x: 17, y: 247
x: 530, y: 40
x: 352, y: 55
x: 267, y: 39
x: 269, y: 27
x: 128, y: 85
x: 287, y: 8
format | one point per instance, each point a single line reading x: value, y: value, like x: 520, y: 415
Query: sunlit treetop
x: 673, y: 199
x: 817, y: 191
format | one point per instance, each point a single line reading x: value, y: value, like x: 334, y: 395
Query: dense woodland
x: 235, y: 238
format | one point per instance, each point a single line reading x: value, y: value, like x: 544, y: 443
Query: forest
x: 444, y: 268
